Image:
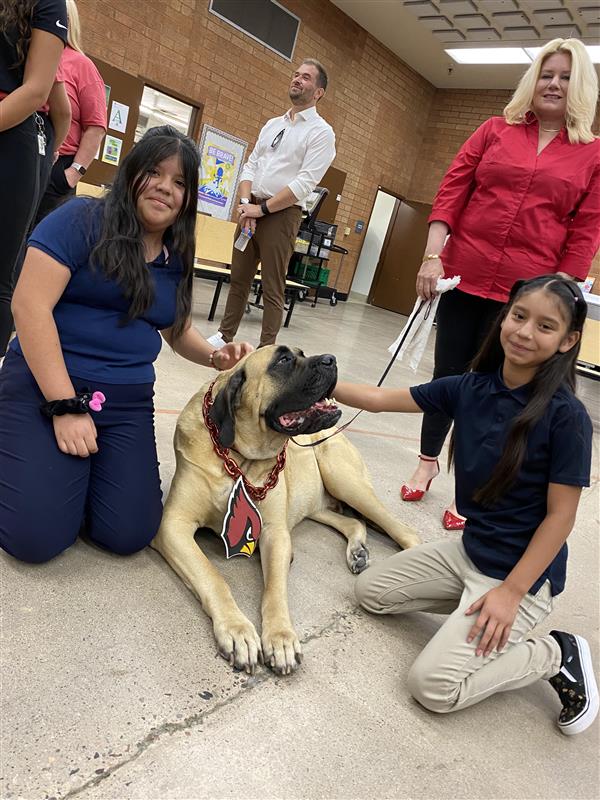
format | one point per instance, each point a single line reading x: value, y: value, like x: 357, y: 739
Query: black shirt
x: 48, y: 15
x: 559, y: 450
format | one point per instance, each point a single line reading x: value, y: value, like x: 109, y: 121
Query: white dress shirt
x: 299, y: 160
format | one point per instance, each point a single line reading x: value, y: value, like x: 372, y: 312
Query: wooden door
x: 401, y: 256
x: 127, y: 90
x: 334, y: 180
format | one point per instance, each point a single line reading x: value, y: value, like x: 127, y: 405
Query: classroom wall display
x: 117, y: 119
x: 221, y: 161
x: 112, y: 150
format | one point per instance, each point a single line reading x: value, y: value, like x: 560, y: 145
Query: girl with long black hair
x: 103, y: 279
x: 522, y: 453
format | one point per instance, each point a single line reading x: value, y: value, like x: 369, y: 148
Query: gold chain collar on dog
x: 230, y: 466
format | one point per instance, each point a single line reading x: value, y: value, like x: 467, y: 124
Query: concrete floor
x: 111, y: 687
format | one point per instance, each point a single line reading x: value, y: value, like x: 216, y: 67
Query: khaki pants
x: 272, y: 245
x: 447, y: 675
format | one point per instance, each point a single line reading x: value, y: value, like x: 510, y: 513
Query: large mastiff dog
x: 271, y: 395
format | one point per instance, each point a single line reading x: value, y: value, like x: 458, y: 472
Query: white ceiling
x: 418, y: 31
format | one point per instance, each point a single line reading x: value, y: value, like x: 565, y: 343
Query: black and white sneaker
x: 575, y: 684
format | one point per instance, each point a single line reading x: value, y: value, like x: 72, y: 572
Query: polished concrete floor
x: 111, y: 686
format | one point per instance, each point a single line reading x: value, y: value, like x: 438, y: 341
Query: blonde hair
x: 74, y: 32
x: 582, y: 94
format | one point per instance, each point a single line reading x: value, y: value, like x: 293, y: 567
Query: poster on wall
x: 221, y: 161
x: 112, y: 150
x: 117, y: 119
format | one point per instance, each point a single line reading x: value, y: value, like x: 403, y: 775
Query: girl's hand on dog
x: 75, y: 434
x: 497, y: 611
x: 228, y: 355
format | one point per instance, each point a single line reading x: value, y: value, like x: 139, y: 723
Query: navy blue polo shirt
x: 559, y: 450
x: 89, y: 315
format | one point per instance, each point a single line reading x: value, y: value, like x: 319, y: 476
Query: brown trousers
x: 272, y: 245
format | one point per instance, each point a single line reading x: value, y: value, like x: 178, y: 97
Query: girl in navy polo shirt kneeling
x: 522, y: 450
x: 102, y: 281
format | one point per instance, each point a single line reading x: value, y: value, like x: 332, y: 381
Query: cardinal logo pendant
x: 242, y: 524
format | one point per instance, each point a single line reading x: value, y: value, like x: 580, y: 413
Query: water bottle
x: 242, y: 241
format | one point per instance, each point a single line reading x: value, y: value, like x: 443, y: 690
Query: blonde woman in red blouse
x: 521, y: 199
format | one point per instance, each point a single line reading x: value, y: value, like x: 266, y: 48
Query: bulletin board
x: 124, y: 94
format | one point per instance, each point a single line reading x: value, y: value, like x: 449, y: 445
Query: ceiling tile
x: 493, y: 6
x: 482, y: 35
x: 552, y: 17
x: 449, y: 36
x: 471, y: 21
x: 436, y: 23
x: 565, y: 31
x: 531, y: 5
x: 509, y: 18
x: 452, y: 7
x: 522, y: 33
x: 590, y: 14
x: 420, y: 7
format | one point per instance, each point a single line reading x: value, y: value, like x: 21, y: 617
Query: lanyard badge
x: 41, y: 134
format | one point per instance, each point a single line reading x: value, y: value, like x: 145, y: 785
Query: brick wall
x: 377, y: 105
x: 393, y: 128
x: 454, y: 115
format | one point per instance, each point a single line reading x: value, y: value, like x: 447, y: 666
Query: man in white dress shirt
x: 290, y: 157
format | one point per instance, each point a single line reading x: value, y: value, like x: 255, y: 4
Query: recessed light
x: 489, y: 55
x: 507, y: 55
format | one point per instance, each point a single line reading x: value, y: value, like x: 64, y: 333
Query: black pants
x: 20, y: 168
x: 57, y: 188
x: 463, y: 320
x: 46, y: 495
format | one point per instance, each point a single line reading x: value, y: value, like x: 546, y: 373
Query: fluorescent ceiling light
x: 593, y: 51
x: 507, y: 55
x: 490, y: 55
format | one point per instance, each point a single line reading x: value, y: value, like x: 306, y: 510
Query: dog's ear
x: 224, y: 407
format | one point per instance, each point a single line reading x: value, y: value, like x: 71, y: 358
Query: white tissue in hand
x: 419, y: 324
x: 445, y: 284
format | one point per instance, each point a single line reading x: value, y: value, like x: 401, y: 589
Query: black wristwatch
x: 264, y: 208
x: 79, y: 167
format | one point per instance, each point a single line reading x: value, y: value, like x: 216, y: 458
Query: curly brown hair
x: 17, y: 14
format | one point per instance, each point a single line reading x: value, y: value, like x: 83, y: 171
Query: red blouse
x: 516, y: 214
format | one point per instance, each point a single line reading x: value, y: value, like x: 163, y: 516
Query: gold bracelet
x: 430, y: 257
x: 211, y: 360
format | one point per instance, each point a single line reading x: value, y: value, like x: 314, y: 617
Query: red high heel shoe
x: 413, y: 495
x: 451, y: 522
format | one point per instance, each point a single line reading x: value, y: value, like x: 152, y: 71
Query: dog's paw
x: 239, y: 643
x: 357, y: 558
x: 281, y: 649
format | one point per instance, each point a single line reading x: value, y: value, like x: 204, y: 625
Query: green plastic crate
x: 323, y: 276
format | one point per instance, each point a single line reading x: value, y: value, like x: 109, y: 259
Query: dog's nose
x: 327, y: 360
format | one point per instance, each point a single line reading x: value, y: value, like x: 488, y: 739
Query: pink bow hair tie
x: 96, y: 402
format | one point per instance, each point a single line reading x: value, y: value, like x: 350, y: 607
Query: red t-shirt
x: 516, y: 214
x: 87, y: 96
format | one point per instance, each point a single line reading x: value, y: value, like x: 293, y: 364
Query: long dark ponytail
x: 17, y: 15
x: 119, y: 251
x: 558, y: 371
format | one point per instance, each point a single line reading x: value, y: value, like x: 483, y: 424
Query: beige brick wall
x: 454, y: 115
x: 393, y: 128
x: 377, y: 105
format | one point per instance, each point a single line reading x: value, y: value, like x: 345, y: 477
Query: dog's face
x: 278, y: 390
